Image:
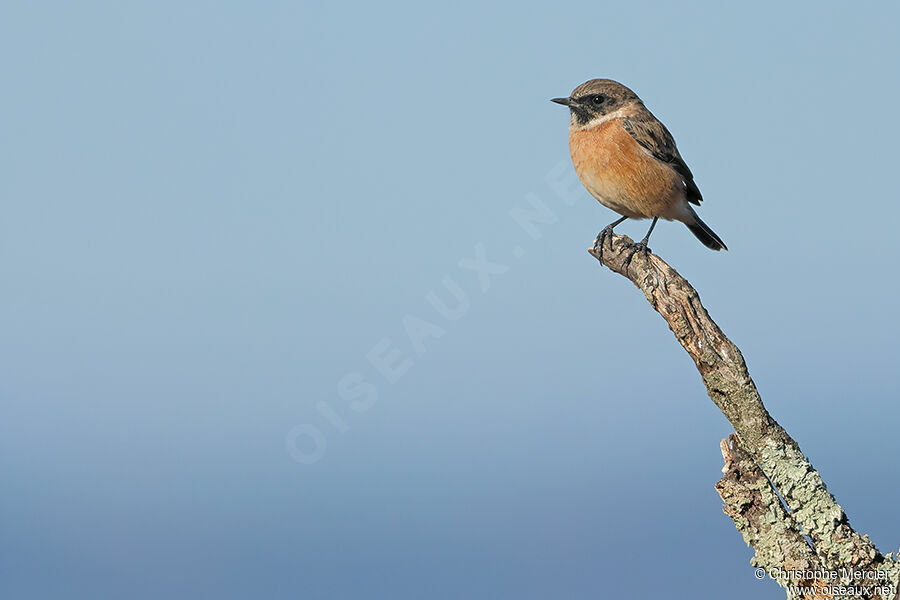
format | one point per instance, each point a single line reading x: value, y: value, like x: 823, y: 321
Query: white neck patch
x: 574, y: 126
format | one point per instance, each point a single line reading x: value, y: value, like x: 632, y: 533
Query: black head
x: 596, y: 98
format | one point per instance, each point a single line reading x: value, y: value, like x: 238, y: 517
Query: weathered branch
x: 762, y: 458
x: 764, y: 523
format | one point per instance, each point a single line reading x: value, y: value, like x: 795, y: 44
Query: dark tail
x: 706, y: 235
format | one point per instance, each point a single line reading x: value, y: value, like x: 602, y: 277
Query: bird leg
x: 641, y: 246
x: 605, y: 233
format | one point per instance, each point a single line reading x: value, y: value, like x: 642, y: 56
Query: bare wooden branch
x: 762, y: 449
x: 765, y: 524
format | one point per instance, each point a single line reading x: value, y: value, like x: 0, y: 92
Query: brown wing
x: 653, y: 135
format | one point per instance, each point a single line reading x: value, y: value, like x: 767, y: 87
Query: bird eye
x: 598, y: 99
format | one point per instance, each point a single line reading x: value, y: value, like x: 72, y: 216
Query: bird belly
x: 623, y: 176
x: 611, y: 195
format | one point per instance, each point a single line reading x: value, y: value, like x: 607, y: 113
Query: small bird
x: 628, y: 161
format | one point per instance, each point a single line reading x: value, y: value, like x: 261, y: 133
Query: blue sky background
x: 213, y: 212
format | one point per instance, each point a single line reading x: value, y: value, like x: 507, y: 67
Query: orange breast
x: 622, y: 175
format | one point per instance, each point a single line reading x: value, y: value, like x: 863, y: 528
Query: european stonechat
x: 627, y: 160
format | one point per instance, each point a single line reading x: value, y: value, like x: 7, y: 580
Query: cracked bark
x: 760, y: 458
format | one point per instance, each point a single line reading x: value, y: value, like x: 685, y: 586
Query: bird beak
x: 563, y: 101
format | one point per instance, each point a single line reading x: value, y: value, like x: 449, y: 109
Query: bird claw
x: 638, y: 247
x: 606, y: 232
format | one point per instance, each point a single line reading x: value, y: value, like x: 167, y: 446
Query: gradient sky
x: 244, y: 352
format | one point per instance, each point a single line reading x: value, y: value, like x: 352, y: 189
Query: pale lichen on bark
x: 760, y: 517
x: 809, y: 530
